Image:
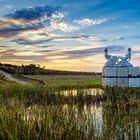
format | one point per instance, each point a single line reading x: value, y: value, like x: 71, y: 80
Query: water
x: 89, y: 91
x: 101, y: 119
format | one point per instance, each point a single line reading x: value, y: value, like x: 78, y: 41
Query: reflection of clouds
x: 89, y: 91
x: 87, y: 116
x: 94, y: 113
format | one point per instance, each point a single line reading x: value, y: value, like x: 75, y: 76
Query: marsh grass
x: 45, y: 122
x: 122, y: 112
x: 43, y: 112
x: 122, y: 97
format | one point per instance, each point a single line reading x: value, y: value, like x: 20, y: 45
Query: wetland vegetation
x: 43, y: 112
x: 61, y: 107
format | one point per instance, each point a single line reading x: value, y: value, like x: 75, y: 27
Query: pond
x: 115, y: 117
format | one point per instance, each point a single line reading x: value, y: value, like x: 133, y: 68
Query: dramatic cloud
x: 13, y: 29
x: 58, y: 14
x: 87, y: 21
x: 31, y: 19
x: 45, y: 18
x: 79, y: 53
x: 59, y: 25
x: 44, y: 34
x: 53, y: 39
x: 25, y: 41
x: 95, y: 51
x: 34, y: 13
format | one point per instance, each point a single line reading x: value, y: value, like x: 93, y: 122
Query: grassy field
x: 60, y: 81
x: 67, y: 77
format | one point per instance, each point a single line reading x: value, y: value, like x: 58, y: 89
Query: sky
x: 68, y: 34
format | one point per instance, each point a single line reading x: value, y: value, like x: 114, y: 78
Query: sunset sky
x: 68, y: 34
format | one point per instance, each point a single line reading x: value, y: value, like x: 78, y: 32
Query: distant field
x: 69, y: 80
x: 67, y: 77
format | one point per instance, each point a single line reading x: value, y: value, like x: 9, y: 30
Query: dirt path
x: 11, y: 78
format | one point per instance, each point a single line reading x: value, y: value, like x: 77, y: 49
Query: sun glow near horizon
x: 68, y: 38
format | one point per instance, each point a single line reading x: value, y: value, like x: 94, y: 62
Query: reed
x: 43, y: 112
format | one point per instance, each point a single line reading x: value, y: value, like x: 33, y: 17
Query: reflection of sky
x: 68, y: 35
x: 95, y: 114
x: 90, y: 91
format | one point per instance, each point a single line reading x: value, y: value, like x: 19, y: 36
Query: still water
x: 90, y: 91
x: 100, y: 119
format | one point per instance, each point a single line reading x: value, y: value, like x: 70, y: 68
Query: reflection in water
x: 90, y: 91
x: 101, y: 119
x: 85, y: 117
x: 95, y: 113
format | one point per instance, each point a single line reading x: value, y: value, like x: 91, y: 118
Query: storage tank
x: 109, y: 82
x: 122, y: 72
x: 134, y: 72
x: 118, y: 71
x: 109, y: 76
x: 134, y: 82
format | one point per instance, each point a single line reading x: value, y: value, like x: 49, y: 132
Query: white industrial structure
x: 118, y: 71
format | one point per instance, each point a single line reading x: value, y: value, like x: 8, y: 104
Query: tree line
x: 31, y: 69
x: 36, y: 69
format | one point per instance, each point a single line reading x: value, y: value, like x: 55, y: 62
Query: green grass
x: 62, y: 83
x: 66, y: 84
x: 40, y: 112
x: 51, y: 122
x: 44, y: 112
